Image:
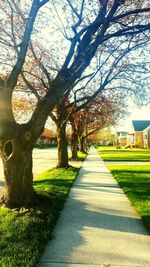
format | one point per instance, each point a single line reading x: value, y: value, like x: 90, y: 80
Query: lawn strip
x: 81, y: 155
x: 110, y: 153
x: 24, y: 233
x: 135, y: 182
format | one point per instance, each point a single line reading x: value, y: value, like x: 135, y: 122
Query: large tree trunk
x: 74, y: 143
x: 62, y: 146
x: 17, y: 162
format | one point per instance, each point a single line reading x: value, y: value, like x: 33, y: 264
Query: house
x: 141, y: 133
x: 48, y: 137
x: 146, y: 137
x: 139, y: 136
x: 122, y: 137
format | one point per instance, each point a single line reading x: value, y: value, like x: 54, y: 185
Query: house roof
x: 47, y: 133
x: 140, y: 125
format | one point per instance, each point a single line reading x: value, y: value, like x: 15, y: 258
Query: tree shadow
x: 53, y: 182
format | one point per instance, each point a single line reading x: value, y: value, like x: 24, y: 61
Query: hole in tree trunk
x: 8, y: 149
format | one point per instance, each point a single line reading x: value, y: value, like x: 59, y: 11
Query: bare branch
x: 73, y: 9
x: 132, y: 12
x: 128, y: 31
x: 53, y: 117
x: 43, y: 68
x: 29, y: 85
x: 42, y: 3
x: 12, y: 80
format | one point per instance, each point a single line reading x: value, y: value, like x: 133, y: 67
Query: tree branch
x: 128, y: 31
x: 42, y: 3
x: 12, y: 80
x: 132, y: 12
x: 41, y: 66
x: 29, y: 85
x: 53, y: 117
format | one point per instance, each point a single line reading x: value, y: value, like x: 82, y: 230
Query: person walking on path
x: 98, y: 226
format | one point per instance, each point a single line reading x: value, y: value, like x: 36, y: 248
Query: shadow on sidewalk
x: 84, y: 224
x: 101, y: 218
x: 97, y: 224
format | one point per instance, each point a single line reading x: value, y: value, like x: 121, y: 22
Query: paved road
x: 98, y: 226
x: 43, y: 159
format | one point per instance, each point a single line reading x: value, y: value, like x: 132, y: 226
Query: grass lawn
x: 80, y: 156
x: 133, y: 179
x: 135, y: 182
x: 109, y: 153
x: 24, y: 233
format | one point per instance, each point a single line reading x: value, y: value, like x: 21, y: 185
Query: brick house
x: 141, y: 133
x: 48, y: 137
x: 139, y: 136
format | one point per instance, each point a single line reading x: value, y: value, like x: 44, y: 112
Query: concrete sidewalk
x: 98, y: 226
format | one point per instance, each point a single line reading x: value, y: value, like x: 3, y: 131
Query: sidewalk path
x: 98, y: 226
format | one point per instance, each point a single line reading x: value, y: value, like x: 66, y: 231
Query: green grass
x: 113, y: 154
x: 135, y: 182
x: 81, y: 155
x: 44, y: 146
x: 133, y: 179
x: 23, y: 234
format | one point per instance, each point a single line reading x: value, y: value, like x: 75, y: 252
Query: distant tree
x: 60, y: 117
x: 104, y: 136
x: 100, y: 113
x: 22, y: 107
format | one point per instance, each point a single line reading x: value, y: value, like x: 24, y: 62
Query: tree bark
x: 82, y: 144
x: 17, y: 161
x: 74, y: 143
x: 62, y: 146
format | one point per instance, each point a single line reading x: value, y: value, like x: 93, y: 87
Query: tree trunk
x: 82, y: 145
x: 17, y: 162
x: 74, y: 143
x: 62, y: 146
